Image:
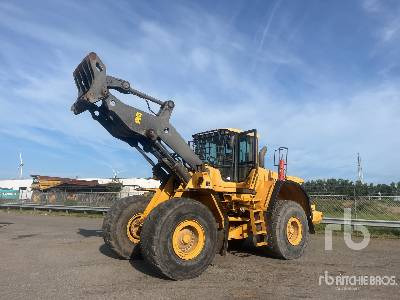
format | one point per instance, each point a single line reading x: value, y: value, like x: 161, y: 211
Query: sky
x: 320, y: 77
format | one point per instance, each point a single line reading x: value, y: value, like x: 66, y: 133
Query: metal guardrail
x: 55, y: 207
x: 362, y: 222
x: 103, y: 210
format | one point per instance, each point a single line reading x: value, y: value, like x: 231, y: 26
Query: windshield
x: 215, y: 149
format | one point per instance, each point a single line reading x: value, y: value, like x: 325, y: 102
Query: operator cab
x: 232, y: 151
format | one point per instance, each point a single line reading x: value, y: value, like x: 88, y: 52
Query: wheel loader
x: 214, y: 189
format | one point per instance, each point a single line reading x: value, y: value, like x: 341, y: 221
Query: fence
x: 386, y: 208
x: 362, y: 207
x: 89, y: 199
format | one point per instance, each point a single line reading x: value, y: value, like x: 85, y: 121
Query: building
x: 22, y: 187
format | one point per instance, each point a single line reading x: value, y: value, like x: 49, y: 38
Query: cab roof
x: 220, y: 130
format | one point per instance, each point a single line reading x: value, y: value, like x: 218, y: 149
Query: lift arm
x: 148, y: 133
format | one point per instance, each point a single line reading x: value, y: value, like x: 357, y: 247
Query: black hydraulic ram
x: 148, y: 133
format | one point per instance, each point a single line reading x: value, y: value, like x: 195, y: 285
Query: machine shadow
x: 244, y: 248
x: 5, y: 224
x: 108, y: 252
x: 137, y: 262
x: 140, y: 265
x: 90, y: 232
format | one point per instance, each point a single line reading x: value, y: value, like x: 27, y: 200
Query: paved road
x: 64, y: 257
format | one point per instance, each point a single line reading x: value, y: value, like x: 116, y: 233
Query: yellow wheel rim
x: 294, y: 231
x: 133, y: 228
x: 188, y: 239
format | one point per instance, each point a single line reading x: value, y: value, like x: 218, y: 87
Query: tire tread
x: 111, y: 219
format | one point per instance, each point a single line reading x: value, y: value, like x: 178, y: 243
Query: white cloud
x: 372, y: 6
x: 391, y: 30
x: 200, y: 58
x: 386, y: 14
x: 268, y: 23
x: 204, y: 66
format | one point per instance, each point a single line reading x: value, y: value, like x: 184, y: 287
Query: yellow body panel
x: 45, y: 184
x: 238, y: 232
x: 316, y: 215
x: 239, y: 201
x: 161, y: 195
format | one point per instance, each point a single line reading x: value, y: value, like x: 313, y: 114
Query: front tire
x: 115, y: 225
x: 287, y: 229
x: 179, y: 238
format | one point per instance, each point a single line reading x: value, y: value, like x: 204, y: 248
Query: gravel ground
x: 65, y: 257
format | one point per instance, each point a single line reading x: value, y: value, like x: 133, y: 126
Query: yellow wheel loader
x: 213, y: 189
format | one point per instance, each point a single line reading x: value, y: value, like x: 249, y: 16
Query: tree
x: 333, y: 186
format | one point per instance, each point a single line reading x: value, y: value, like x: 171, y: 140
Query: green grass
x: 361, y: 209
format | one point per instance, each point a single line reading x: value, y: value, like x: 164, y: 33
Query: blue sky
x: 321, y: 77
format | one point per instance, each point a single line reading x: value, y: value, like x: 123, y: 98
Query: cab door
x: 246, y: 154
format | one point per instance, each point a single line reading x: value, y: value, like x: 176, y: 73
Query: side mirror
x: 261, y: 156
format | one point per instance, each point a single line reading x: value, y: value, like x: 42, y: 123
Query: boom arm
x: 148, y: 133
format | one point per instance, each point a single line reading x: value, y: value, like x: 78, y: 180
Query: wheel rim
x: 294, y: 231
x: 188, y: 239
x: 133, y: 228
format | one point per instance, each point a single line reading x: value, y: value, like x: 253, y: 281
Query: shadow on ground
x: 236, y: 248
x: 23, y: 236
x: 105, y: 250
x: 90, y: 232
x: 137, y: 262
x: 244, y: 248
x: 5, y: 224
x: 141, y: 265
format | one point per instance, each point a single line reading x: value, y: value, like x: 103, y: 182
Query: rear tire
x: 115, y: 225
x: 179, y: 238
x: 287, y: 229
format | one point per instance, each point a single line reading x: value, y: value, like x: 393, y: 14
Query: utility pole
x: 359, y: 169
x: 360, y: 179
